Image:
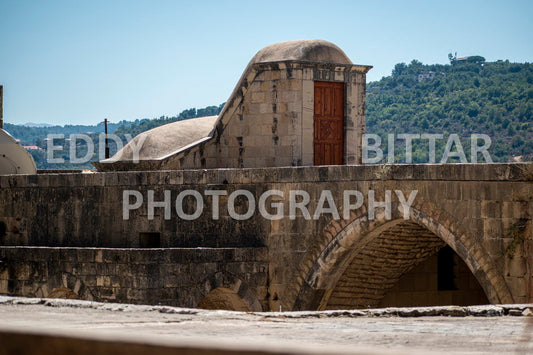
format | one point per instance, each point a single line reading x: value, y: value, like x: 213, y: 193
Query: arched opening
x: 63, y: 292
x: 405, y: 265
x: 224, y: 298
x: 68, y: 286
x: 356, y: 263
x: 442, y: 279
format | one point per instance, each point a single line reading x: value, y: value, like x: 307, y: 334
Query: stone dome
x: 308, y: 50
x: 160, y: 142
x: 160, y: 145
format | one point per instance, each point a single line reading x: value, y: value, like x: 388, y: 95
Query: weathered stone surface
x: 297, y: 261
x: 266, y: 122
x: 81, y: 327
x: 151, y: 276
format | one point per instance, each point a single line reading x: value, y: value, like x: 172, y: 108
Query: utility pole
x: 106, y: 144
x: 1, y: 107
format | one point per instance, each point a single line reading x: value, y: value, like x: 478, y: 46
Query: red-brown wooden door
x: 329, y: 123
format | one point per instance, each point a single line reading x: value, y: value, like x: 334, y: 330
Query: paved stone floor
x: 361, y: 332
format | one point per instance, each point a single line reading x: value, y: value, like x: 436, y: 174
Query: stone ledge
x: 134, y: 255
x: 437, y: 172
x: 438, y: 311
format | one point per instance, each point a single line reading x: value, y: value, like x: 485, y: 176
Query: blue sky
x: 77, y: 62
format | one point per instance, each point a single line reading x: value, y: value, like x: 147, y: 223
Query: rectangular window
x: 149, y: 240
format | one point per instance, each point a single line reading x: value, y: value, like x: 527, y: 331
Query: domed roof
x: 159, y: 144
x: 162, y: 141
x: 14, y: 158
x: 308, y: 50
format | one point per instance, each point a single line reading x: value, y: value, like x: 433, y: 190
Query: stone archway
x: 224, y: 291
x: 343, y: 241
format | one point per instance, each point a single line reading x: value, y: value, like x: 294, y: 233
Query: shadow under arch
x: 342, y: 241
x: 225, y: 291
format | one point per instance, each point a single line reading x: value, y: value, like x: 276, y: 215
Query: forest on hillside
x: 463, y: 98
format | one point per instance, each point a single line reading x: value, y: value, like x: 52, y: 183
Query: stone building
x: 298, y: 103
x: 127, y: 236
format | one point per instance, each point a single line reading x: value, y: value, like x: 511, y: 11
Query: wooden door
x: 329, y: 123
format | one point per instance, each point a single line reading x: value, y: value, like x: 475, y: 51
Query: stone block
x: 3, y: 287
x: 492, y: 228
x: 517, y: 286
x: 100, y: 281
x: 307, y: 159
x: 292, y: 74
x: 516, y: 266
x: 265, y: 108
x: 266, y: 129
x: 257, y: 97
x: 262, y: 76
x: 255, y: 86
x: 255, y: 129
x: 266, y: 86
x: 307, y: 74
x: 494, y: 246
x: 294, y: 107
x: 252, y: 108
x: 275, y: 75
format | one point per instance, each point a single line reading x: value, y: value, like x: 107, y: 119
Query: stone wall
x: 269, y: 120
x: 176, y: 277
x: 483, y: 211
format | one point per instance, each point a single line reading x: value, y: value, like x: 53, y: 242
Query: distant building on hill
x: 426, y: 76
x: 470, y: 59
x: 31, y: 147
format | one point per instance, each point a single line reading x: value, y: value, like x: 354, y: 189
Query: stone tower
x: 298, y: 103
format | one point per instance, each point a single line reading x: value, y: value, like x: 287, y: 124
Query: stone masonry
x: 268, y: 119
x: 68, y: 230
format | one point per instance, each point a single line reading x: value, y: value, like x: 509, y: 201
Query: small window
x: 445, y: 269
x: 150, y: 240
x: 3, y: 229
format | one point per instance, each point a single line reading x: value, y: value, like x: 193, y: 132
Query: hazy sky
x: 77, y: 62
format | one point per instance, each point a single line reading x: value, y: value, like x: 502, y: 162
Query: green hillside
x: 464, y: 98
x: 136, y: 128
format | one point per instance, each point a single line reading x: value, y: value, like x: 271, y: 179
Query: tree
x: 452, y: 58
x: 399, y: 69
x: 475, y: 59
x: 463, y: 99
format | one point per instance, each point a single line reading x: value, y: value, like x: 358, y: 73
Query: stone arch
x: 342, y: 240
x: 229, y: 292
x: 224, y: 298
x: 63, y: 292
x: 66, y: 285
